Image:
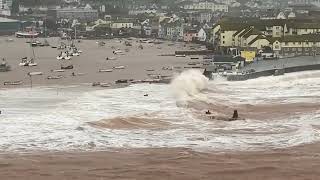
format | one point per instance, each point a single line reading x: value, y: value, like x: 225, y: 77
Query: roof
x: 2, y: 19
x: 191, y: 31
x: 257, y: 38
x: 252, y: 31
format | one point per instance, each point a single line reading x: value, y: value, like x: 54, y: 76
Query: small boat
x: 192, y: 64
x: 105, y: 85
x: 32, y: 64
x: 12, y: 83
x: 58, y: 70
x: 67, y: 57
x: 67, y: 67
x: 182, y: 55
x: 127, y: 43
x: 59, y: 57
x: 121, y: 81
x: 150, y: 70
x: 26, y: 62
x: 26, y: 34
x: 75, y: 54
x: 119, y: 67
x: 96, y: 84
x: 119, y: 52
x: 55, y: 77
x: 194, y: 58
x: 34, y: 44
x: 35, y: 73
x: 111, y: 58
x: 105, y: 70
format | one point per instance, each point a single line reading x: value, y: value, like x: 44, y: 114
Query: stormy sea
x: 275, y: 112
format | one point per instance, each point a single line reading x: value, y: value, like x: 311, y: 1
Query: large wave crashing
x: 188, y: 85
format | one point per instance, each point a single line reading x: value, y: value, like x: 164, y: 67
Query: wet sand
x: 93, y: 58
x: 295, y: 164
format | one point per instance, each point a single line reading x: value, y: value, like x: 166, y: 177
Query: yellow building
x: 248, y: 55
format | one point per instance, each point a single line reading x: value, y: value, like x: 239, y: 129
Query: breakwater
x: 201, y: 52
x: 272, y: 72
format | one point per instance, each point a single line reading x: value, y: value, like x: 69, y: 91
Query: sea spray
x: 188, y: 85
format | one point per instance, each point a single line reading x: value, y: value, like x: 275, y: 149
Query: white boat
x: 119, y: 67
x: 59, y: 57
x: 67, y: 57
x: 35, y: 73
x: 26, y: 62
x: 118, y: 52
x: 75, y: 54
x: 55, y: 77
x: 26, y: 34
x: 181, y: 55
x: 105, y: 70
x: 105, y: 85
x: 57, y: 70
x: 23, y: 64
x: 32, y: 64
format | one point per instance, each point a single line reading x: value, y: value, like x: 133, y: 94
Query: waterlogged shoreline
x: 296, y: 163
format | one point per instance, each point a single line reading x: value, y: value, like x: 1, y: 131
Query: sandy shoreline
x: 174, y: 163
x: 138, y: 62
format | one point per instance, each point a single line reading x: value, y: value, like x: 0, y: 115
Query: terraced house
x: 297, y: 37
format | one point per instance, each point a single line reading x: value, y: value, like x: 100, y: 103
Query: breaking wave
x: 188, y: 85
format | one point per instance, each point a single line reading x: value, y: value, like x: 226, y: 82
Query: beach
x: 138, y: 62
x: 67, y: 129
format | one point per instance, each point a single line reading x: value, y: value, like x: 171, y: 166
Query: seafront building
x: 286, y: 37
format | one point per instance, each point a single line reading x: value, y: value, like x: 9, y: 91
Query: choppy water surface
x: 56, y: 118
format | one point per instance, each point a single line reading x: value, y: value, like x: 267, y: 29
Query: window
x: 223, y: 42
x: 277, y: 27
x: 276, y: 47
x: 223, y: 37
x: 299, y: 49
x: 286, y: 43
x: 306, y: 49
x: 307, y: 43
x: 299, y: 43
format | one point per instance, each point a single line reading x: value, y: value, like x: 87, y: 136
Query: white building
x: 214, y: 7
x: 121, y: 24
x: 5, y: 6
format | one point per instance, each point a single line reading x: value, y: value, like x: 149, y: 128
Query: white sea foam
x: 188, y: 85
x: 48, y: 118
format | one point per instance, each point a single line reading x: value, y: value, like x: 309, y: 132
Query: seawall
x: 272, y: 72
